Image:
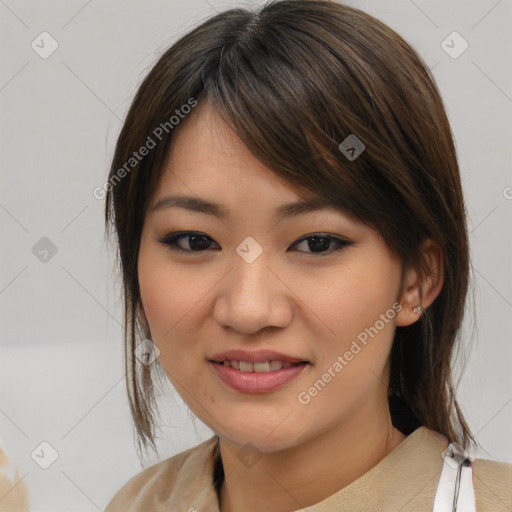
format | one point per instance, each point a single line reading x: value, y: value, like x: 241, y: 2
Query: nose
x: 253, y: 297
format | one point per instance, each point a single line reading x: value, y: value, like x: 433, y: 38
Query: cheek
x: 168, y: 301
x: 168, y: 296
x: 357, y: 310
x: 352, y: 357
x: 355, y: 297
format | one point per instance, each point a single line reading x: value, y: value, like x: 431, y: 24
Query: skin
x: 290, y: 299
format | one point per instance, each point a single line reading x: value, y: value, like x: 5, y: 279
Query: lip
x: 255, y: 357
x: 252, y: 382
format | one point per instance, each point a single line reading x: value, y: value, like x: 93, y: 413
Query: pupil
x: 320, y: 243
x: 200, y: 246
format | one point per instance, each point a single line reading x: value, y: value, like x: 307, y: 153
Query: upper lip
x: 255, y: 357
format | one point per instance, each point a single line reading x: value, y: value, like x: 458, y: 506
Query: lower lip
x: 252, y: 382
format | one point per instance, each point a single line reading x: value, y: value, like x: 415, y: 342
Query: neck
x: 298, y: 477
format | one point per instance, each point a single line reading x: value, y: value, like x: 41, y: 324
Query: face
x: 305, y: 286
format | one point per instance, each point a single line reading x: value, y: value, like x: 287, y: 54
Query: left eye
x: 319, y: 243
x: 199, y: 242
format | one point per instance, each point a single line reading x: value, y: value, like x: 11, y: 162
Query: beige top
x: 405, y: 480
x: 13, y: 491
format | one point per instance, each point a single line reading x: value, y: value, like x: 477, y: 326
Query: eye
x: 320, y: 242
x: 198, y: 242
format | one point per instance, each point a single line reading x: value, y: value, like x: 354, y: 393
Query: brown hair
x: 294, y: 78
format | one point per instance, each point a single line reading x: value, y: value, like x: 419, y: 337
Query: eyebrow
x: 196, y: 204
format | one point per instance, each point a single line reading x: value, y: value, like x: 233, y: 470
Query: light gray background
x: 62, y: 378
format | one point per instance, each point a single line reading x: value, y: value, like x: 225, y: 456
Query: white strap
x: 455, y: 490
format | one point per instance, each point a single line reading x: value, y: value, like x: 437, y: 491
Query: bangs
x: 293, y: 100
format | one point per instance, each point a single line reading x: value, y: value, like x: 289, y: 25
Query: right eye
x: 194, y: 241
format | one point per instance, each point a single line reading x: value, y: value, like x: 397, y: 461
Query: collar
x: 405, y: 479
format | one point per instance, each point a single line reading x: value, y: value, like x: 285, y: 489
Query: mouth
x: 259, y: 376
x: 266, y: 366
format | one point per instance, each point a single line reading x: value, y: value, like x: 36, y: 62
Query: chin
x: 266, y: 440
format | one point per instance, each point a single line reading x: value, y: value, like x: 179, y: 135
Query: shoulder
x: 492, y: 481
x: 13, y: 491
x: 155, y: 484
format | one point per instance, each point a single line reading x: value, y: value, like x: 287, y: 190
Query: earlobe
x: 420, y: 288
x: 411, y: 307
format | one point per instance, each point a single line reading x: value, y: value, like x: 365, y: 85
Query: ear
x: 421, y: 289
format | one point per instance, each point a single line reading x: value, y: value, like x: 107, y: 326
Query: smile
x: 258, y: 377
x: 258, y: 367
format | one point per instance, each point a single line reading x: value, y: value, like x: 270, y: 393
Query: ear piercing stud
x: 418, y: 309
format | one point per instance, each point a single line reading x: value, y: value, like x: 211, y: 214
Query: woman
x: 292, y: 237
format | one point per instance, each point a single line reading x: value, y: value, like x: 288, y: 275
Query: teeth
x: 246, y: 367
x: 275, y: 365
x: 260, y: 367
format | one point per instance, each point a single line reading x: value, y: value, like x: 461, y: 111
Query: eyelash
x: 170, y: 241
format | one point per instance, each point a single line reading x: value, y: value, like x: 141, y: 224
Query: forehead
x: 207, y: 158
x: 210, y: 170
